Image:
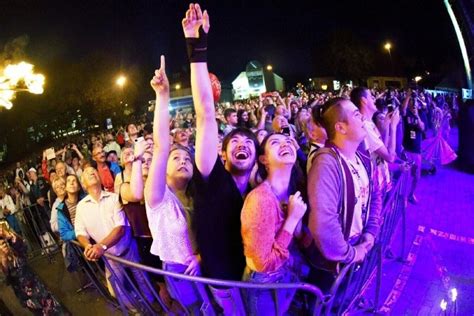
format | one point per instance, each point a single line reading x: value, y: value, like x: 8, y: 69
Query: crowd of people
x: 274, y: 189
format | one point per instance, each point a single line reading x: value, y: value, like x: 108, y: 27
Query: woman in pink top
x: 168, y: 203
x: 271, y: 217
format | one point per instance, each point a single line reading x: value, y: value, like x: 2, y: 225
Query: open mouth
x: 241, y: 155
x: 285, y: 152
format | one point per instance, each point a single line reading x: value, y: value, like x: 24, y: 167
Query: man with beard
x: 220, y: 187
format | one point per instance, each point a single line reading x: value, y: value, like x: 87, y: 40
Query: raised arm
x: 156, y: 181
x: 263, y: 117
x: 78, y: 152
x: 403, y: 108
x: 196, y: 26
x: 136, y: 186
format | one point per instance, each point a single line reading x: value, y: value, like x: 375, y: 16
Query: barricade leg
x: 378, y: 285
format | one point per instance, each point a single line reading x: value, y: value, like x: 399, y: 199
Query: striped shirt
x: 72, y: 210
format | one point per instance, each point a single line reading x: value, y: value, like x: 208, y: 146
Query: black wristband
x: 197, y: 48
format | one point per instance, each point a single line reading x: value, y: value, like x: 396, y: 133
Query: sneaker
x: 413, y: 200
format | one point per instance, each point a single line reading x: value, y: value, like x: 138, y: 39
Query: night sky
x: 287, y: 34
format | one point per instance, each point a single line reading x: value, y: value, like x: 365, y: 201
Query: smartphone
x: 285, y: 130
x: 139, y: 139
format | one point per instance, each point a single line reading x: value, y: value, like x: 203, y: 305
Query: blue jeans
x: 187, y: 293
x: 269, y: 302
x: 229, y: 300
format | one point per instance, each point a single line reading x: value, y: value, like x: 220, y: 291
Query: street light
x: 121, y: 80
x: 269, y: 67
x: 388, y: 47
x: 177, y: 86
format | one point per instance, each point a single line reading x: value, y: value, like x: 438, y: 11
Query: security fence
x: 134, y: 291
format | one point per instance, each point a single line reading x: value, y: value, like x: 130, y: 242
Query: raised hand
x: 395, y: 118
x: 160, y: 82
x: 296, y: 206
x: 139, y: 149
x: 263, y: 111
x: 294, y: 143
x: 193, y: 20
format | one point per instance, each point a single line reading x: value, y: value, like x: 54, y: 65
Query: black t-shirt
x: 412, y: 134
x: 39, y: 189
x: 217, y: 207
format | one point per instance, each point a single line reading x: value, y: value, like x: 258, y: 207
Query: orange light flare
x: 16, y: 78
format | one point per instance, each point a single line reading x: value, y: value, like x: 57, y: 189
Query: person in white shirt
x: 59, y: 188
x: 380, y: 154
x: 112, y: 144
x: 6, y: 202
x: 100, y: 216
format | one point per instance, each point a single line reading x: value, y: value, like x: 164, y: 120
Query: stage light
x: 443, y: 305
x: 454, y: 294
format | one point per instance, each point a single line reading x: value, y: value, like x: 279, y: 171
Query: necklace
x: 354, y: 170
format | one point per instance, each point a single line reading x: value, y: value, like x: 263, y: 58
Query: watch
x: 103, y: 247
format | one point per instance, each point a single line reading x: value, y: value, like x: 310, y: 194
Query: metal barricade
x: 356, y: 277
x: 135, y: 299
x: 36, y: 231
x: 130, y: 295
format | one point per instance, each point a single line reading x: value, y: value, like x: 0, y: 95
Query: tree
x: 77, y: 96
x: 347, y: 57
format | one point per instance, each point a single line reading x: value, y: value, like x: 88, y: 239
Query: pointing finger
x: 162, y: 63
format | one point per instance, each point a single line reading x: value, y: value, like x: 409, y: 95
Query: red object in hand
x: 216, y: 87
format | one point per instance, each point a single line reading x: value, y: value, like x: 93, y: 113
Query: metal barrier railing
x: 137, y: 299
x: 36, y: 231
x: 130, y: 293
x: 357, y: 276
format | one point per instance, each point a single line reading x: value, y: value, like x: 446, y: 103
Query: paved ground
x: 64, y: 285
x: 439, y: 247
